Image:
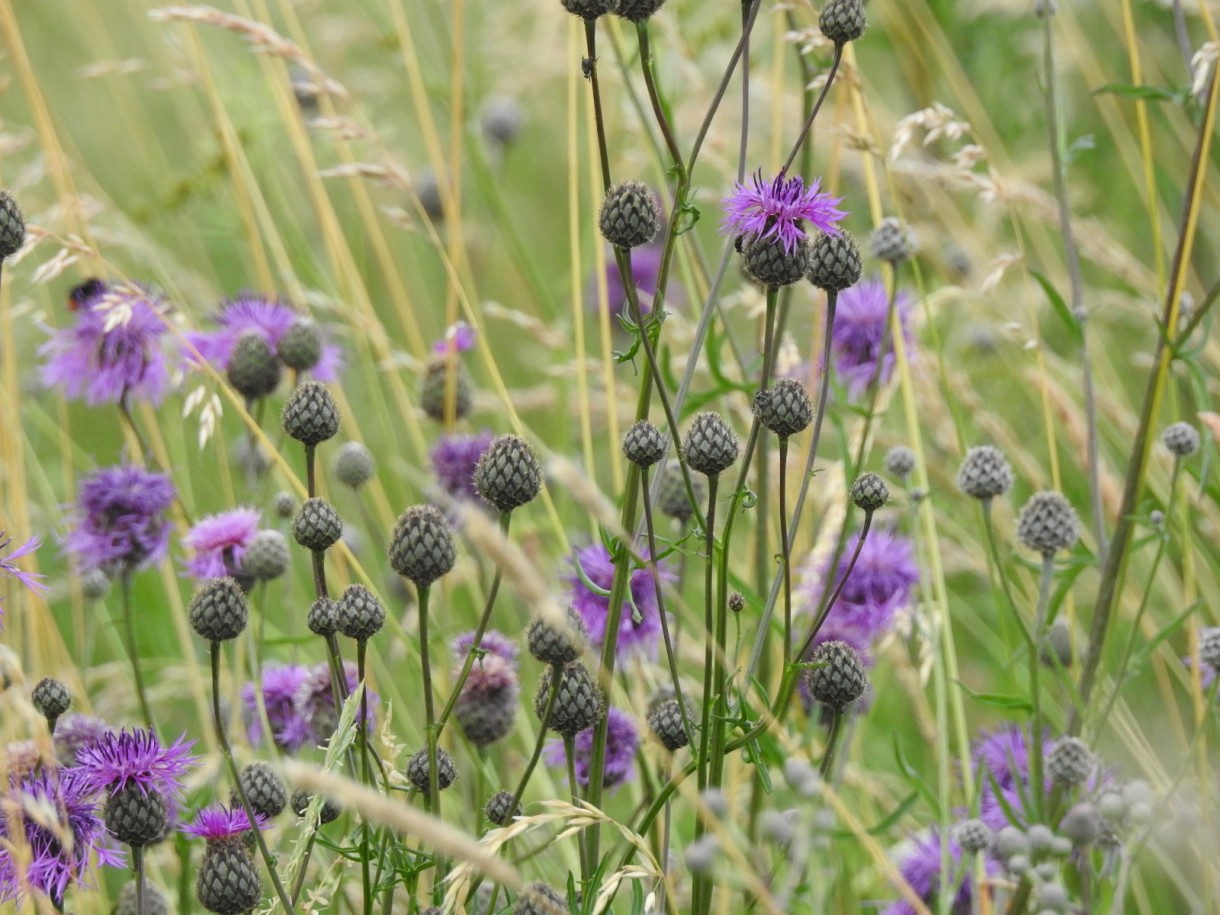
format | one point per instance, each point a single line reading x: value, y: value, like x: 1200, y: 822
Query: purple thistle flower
x: 622, y: 742
x: 459, y: 338
x: 779, y: 209
x: 121, y: 520
x: 289, y: 729
x: 920, y: 867
x: 454, y: 458
x: 114, y: 350
x: 494, y: 643
x: 265, y: 316
x: 136, y: 757
x: 1005, y: 754
x: 218, y: 822
x: 593, y: 566
x: 219, y: 542
x: 75, y: 732
x: 860, y: 330
x: 50, y: 820
x: 646, y: 272
x: 880, y: 584
x: 315, y: 701
x: 8, y: 568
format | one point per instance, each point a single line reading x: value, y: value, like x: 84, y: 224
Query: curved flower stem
x: 671, y: 651
x: 1035, y: 691
x: 480, y: 631
x: 836, y: 727
x: 129, y: 630
x: 556, y: 680
x: 221, y: 739
x: 784, y: 546
x: 647, y: 65
x: 299, y: 883
x: 817, y: 106
x: 821, y: 618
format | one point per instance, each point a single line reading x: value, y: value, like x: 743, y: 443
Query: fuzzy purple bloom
x: 1002, y: 761
x: 315, y: 701
x: 459, y: 338
x: 494, y: 643
x: 880, y: 584
x: 646, y: 273
x: 219, y: 822
x: 136, y: 757
x: 779, y: 209
x: 593, y: 566
x: 75, y: 732
x: 860, y: 331
x: 219, y: 542
x: 280, y: 685
x: 454, y: 458
x: 121, y: 523
x: 622, y: 742
x: 920, y: 867
x: 54, y: 810
x: 8, y: 568
x: 266, y: 317
x: 114, y: 350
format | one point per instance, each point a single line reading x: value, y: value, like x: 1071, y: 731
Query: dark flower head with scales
x: 778, y: 210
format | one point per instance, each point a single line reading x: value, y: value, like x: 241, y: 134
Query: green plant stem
x: 365, y: 775
x: 556, y: 680
x: 129, y: 631
x: 784, y: 547
x: 647, y: 67
x: 1113, y: 568
x: 137, y: 862
x: 311, y: 473
x: 1035, y: 690
x: 836, y: 728
x: 825, y: 612
x: 432, y: 801
x: 569, y: 753
x: 299, y: 883
x: 700, y: 889
x: 813, y: 113
x: 223, y: 741
x: 480, y: 631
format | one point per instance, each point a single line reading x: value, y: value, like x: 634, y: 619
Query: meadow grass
x: 1058, y: 175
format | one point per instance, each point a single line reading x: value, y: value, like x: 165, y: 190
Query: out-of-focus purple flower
x: 459, y: 338
x: 315, y: 701
x: 860, y: 330
x: 1002, y: 767
x: 114, y: 350
x: 50, y: 826
x: 487, y: 705
x: 124, y: 758
x: 217, y: 823
x: 1206, y: 676
x: 454, y: 458
x: 8, y: 568
x: 219, y: 542
x: 920, y: 867
x: 778, y: 209
x: 622, y: 742
x: 645, y: 270
x: 880, y: 584
x: 75, y: 732
x: 121, y: 523
x: 265, y: 316
x: 590, y: 583
x: 280, y: 685
x: 496, y: 643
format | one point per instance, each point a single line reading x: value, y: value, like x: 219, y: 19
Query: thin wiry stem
x: 129, y: 630
x: 831, y: 741
x: 813, y: 113
x: 365, y: 774
x: 821, y: 617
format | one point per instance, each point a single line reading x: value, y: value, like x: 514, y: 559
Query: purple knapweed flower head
x: 219, y: 823
x: 265, y: 316
x: 9, y: 569
x: 778, y: 210
x: 622, y: 742
x: 280, y: 685
x: 1005, y: 754
x: 315, y: 701
x: 114, y: 350
x: 453, y: 460
x: 860, y: 331
x: 880, y: 584
x: 645, y: 272
x: 459, y: 338
x: 218, y: 542
x: 920, y: 867
x: 50, y: 827
x: 121, y: 523
x: 589, y: 596
x: 75, y: 732
x: 124, y: 758
x: 493, y: 643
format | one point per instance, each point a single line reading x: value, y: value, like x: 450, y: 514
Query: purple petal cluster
x: 593, y: 566
x: 859, y: 333
x: 49, y: 832
x: 1002, y: 766
x: 622, y: 742
x: 115, y: 350
x: 217, y: 823
x: 880, y: 584
x: 121, y: 524
x: 459, y: 338
x: 123, y: 758
x: 218, y: 542
x: 265, y: 316
x: 920, y: 867
x: 646, y: 273
x: 493, y: 642
x: 76, y: 732
x: 300, y: 705
x: 453, y: 460
x: 9, y: 569
x: 778, y: 209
